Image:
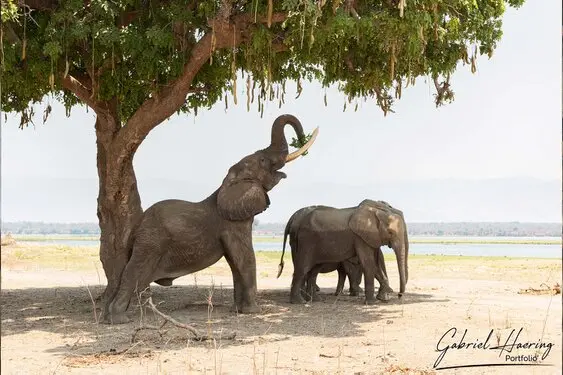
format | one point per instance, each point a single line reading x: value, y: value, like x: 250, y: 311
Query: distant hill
x: 515, y: 229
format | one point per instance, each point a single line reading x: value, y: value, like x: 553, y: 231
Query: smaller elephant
x: 350, y: 267
x: 332, y: 235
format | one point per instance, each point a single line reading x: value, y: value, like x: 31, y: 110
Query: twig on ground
x: 197, y: 336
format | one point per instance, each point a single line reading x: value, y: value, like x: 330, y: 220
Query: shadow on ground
x: 69, y: 312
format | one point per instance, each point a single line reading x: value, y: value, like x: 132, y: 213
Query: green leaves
x: 129, y: 50
x: 298, y: 143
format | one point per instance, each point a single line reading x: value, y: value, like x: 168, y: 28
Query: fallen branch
x: 556, y: 289
x: 197, y: 336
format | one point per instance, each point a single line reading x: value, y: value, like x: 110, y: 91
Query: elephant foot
x: 246, y: 309
x: 383, y: 296
x: 371, y: 301
x: 354, y: 293
x: 317, y: 289
x: 116, y: 318
x: 338, y: 292
x: 317, y: 298
x: 298, y: 299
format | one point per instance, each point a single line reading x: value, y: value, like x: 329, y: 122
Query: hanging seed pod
x: 283, y: 98
x: 67, y: 66
x: 270, y: 12
x: 253, y: 88
x: 24, y: 45
x: 356, y: 107
x: 226, y: 103
x: 213, y: 43
x: 392, y: 61
x: 248, y: 93
x: 235, y: 91
x: 326, y: 104
x: 402, y: 6
x: 344, y: 109
x: 299, y: 88
x: 112, y: 59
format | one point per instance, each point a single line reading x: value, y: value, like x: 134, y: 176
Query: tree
x: 137, y: 62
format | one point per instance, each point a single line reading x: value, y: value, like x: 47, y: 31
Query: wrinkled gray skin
x: 331, y: 235
x: 349, y: 268
x: 176, y: 237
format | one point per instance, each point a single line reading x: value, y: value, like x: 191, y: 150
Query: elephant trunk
x: 402, y: 253
x: 278, y: 145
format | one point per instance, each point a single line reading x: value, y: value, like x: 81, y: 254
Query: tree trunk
x: 119, y: 203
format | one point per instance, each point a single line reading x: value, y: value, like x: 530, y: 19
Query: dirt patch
x: 49, y: 322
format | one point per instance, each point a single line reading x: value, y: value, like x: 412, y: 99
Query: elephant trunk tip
x: 280, y: 269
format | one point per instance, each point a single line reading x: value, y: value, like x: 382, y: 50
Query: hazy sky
x: 504, y: 123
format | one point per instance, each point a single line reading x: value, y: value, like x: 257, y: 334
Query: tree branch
x: 82, y: 92
x: 198, y: 336
x: 171, y: 97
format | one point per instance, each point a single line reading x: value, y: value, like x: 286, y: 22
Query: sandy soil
x: 49, y: 324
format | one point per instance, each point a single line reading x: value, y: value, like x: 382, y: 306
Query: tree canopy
x: 185, y: 55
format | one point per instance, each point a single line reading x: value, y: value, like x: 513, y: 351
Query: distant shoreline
x: 445, y: 240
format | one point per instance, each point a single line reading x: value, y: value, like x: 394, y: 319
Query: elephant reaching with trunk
x: 349, y: 268
x: 176, y: 238
x: 332, y: 235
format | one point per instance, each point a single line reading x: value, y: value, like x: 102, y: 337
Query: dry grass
x: 56, y: 329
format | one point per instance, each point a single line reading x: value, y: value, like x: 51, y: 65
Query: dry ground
x: 49, y: 324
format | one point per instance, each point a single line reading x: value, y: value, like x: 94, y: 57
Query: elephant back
x: 326, y: 219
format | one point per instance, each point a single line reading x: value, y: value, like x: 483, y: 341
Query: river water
x: 426, y: 248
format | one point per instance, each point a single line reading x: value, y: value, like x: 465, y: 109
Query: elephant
x: 175, y: 237
x: 349, y: 268
x: 332, y: 235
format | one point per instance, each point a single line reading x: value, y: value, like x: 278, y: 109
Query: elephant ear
x: 241, y: 200
x: 365, y: 223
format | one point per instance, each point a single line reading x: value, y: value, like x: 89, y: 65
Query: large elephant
x: 349, y: 268
x: 332, y: 235
x: 176, y: 238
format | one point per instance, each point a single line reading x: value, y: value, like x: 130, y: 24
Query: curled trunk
x: 278, y: 145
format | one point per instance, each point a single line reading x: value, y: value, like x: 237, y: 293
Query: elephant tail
x: 285, y: 234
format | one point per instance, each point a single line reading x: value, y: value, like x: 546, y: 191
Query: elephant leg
x: 135, y: 278
x: 311, y: 286
x: 237, y: 286
x: 241, y: 259
x: 341, y: 279
x: 299, y: 278
x: 367, y: 260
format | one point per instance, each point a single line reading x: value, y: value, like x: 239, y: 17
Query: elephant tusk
x: 295, y: 154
